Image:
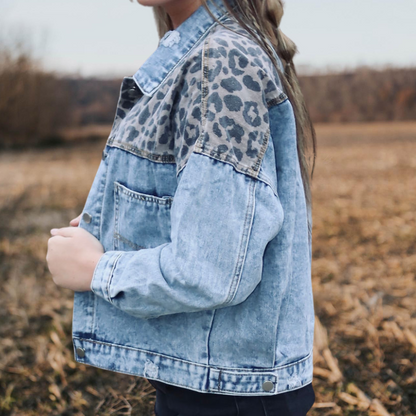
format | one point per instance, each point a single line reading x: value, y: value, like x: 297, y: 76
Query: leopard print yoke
x: 214, y: 101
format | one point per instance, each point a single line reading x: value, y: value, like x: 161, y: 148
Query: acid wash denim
x: 205, y: 282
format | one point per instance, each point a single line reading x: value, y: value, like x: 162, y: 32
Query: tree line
x: 36, y: 106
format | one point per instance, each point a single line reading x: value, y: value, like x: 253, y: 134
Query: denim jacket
x: 198, y: 201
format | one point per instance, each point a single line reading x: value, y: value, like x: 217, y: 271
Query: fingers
x: 75, y: 222
x: 64, y: 231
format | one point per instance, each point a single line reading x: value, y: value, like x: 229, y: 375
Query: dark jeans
x: 176, y: 401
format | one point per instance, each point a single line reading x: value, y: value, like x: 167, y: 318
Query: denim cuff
x: 103, y: 274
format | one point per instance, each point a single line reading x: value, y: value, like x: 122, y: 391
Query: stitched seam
x: 209, y: 333
x: 266, y: 180
x: 124, y: 347
x: 261, y: 178
x: 248, y: 221
x: 262, y: 152
x: 197, y: 42
x: 219, y: 381
x: 269, y: 393
x: 143, y: 153
x: 265, y: 371
x: 174, y: 384
x: 277, y: 100
x: 116, y: 204
x: 199, y: 143
x: 117, y: 118
x: 126, y: 241
x: 94, y: 306
x: 265, y: 374
x: 110, y: 278
x: 239, y: 168
x: 102, y: 187
x: 165, y: 200
x: 135, y: 374
x: 264, y: 393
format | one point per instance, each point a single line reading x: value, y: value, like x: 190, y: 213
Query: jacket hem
x: 201, y: 378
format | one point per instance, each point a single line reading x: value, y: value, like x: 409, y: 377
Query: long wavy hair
x: 261, y: 19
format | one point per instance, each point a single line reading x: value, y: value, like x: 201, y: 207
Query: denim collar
x: 175, y: 45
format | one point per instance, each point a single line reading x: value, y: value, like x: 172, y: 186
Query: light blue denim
x: 198, y: 201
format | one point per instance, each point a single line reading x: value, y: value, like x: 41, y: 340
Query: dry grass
x: 364, y: 267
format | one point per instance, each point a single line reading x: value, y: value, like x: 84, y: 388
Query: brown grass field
x: 364, y: 280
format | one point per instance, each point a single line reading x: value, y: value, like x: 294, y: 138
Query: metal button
x: 268, y: 386
x: 86, y: 217
x: 80, y: 352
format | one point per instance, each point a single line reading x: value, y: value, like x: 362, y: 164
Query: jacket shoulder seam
x: 201, y: 146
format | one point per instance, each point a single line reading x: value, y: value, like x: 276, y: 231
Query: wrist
x: 100, y: 283
x: 90, y: 270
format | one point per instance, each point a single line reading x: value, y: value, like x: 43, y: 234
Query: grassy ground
x: 364, y: 267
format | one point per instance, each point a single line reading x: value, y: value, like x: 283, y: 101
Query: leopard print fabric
x: 215, y: 103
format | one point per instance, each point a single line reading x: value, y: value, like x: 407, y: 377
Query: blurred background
x: 61, y: 66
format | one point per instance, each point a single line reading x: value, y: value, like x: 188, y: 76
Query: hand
x: 75, y: 221
x: 72, y: 256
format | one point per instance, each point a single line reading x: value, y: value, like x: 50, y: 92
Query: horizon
x: 80, y: 44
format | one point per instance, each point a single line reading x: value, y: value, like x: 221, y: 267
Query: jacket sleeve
x: 219, y: 219
x: 222, y: 215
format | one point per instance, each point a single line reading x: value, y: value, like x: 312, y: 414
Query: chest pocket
x: 140, y: 220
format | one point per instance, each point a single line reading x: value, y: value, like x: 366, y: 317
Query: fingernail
x: 53, y: 231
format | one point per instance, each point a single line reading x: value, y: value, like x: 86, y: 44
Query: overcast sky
x: 114, y: 37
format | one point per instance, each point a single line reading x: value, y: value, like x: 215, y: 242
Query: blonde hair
x: 261, y: 18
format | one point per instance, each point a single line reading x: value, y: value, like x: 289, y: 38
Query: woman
x: 191, y: 260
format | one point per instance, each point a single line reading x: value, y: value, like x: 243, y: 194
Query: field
x: 364, y: 279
